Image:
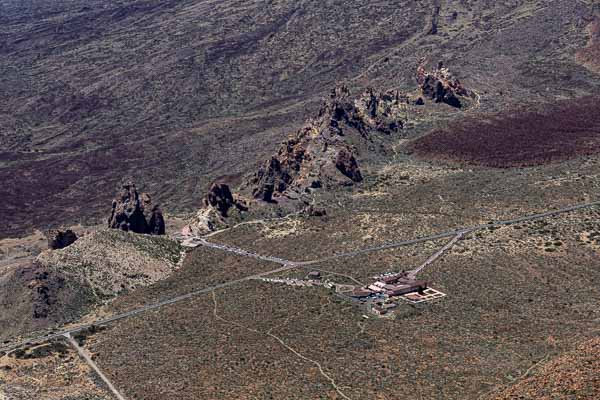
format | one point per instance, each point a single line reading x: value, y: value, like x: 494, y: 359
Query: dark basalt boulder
x: 347, y: 165
x: 156, y: 224
x: 59, y: 239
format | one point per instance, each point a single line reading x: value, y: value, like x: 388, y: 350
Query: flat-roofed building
x: 376, y: 288
x: 379, y: 310
x: 390, y: 279
x: 398, y: 290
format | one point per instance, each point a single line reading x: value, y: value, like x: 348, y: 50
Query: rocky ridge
x: 46, y: 123
x: 111, y: 261
x: 324, y: 152
x: 60, y: 285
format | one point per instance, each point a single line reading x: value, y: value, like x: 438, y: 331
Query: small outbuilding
x: 316, y: 275
x: 378, y: 310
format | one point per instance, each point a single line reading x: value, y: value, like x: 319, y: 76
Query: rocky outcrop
x: 440, y: 86
x: 265, y: 179
x: 324, y: 151
x: 313, y: 211
x: 59, y: 239
x: 156, y: 223
x: 133, y: 212
x: 435, y: 17
x: 44, y: 286
x: 217, y: 207
x: 35, y: 296
x: 381, y: 113
x: 221, y: 199
x: 347, y: 165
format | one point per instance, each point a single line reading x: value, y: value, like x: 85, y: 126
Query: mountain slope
x: 177, y: 93
x: 573, y: 375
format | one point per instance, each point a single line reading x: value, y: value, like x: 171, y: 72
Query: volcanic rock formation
x: 134, y: 212
x: 218, y: 205
x: 59, y: 239
x: 36, y: 296
x: 220, y: 198
x: 439, y: 85
x: 347, y: 165
x: 45, y: 286
x: 323, y: 151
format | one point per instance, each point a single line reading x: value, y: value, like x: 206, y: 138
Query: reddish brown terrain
x: 590, y: 55
x: 573, y: 375
x: 559, y: 132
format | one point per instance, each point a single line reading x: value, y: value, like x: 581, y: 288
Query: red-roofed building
x: 398, y: 290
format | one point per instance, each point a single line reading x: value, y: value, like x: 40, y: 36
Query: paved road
x: 287, y: 265
x: 413, y: 274
x: 88, y: 359
x: 199, y: 241
x: 455, y: 232
x: 106, y: 321
x: 384, y: 247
